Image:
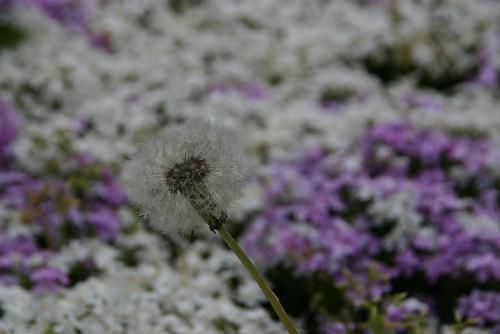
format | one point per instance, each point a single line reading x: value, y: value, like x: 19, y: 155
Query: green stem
x: 273, y: 299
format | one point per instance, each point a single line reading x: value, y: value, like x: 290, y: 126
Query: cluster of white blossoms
x: 145, y: 299
x: 191, y: 295
x: 288, y: 48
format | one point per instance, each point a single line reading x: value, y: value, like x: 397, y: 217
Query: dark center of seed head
x: 185, y: 175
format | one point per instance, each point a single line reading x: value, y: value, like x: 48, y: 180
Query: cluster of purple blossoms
x: 419, y: 207
x: 80, y: 200
x: 483, y: 306
x: 8, y: 131
x: 488, y: 73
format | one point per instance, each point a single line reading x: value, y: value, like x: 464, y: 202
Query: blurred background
x: 372, y: 129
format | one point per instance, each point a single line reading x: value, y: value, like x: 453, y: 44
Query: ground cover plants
x: 372, y: 137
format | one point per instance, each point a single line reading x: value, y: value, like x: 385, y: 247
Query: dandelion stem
x: 273, y: 299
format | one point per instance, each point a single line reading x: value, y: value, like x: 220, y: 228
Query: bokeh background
x: 373, y: 135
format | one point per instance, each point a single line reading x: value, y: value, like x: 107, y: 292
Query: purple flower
x: 109, y: 190
x: 73, y: 13
x: 5, y: 4
x: 333, y: 328
x: 104, y: 222
x: 24, y: 245
x: 76, y: 217
x: 425, y: 102
x: 482, y: 306
x: 488, y: 73
x: 48, y: 279
x: 82, y: 126
x: 84, y: 159
x: 407, y: 263
x: 484, y: 267
x: 251, y: 91
x: 9, y: 124
x: 410, y: 307
x: 102, y: 41
x: 334, y: 106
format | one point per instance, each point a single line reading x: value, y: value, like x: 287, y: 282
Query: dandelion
x: 188, y: 176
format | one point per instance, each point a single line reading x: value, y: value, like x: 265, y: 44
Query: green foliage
x: 180, y: 6
x: 50, y: 329
x: 339, y: 94
x: 225, y: 326
x: 11, y: 35
x: 82, y: 270
x: 393, y: 61
x: 460, y: 325
x: 315, y: 297
x: 129, y: 255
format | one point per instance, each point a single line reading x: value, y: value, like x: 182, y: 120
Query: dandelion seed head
x: 196, y: 163
x: 187, y: 174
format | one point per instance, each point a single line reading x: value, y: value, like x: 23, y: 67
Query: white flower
x: 185, y: 176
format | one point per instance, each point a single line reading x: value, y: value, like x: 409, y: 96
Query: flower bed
x: 371, y: 127
x: 408, y: 210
